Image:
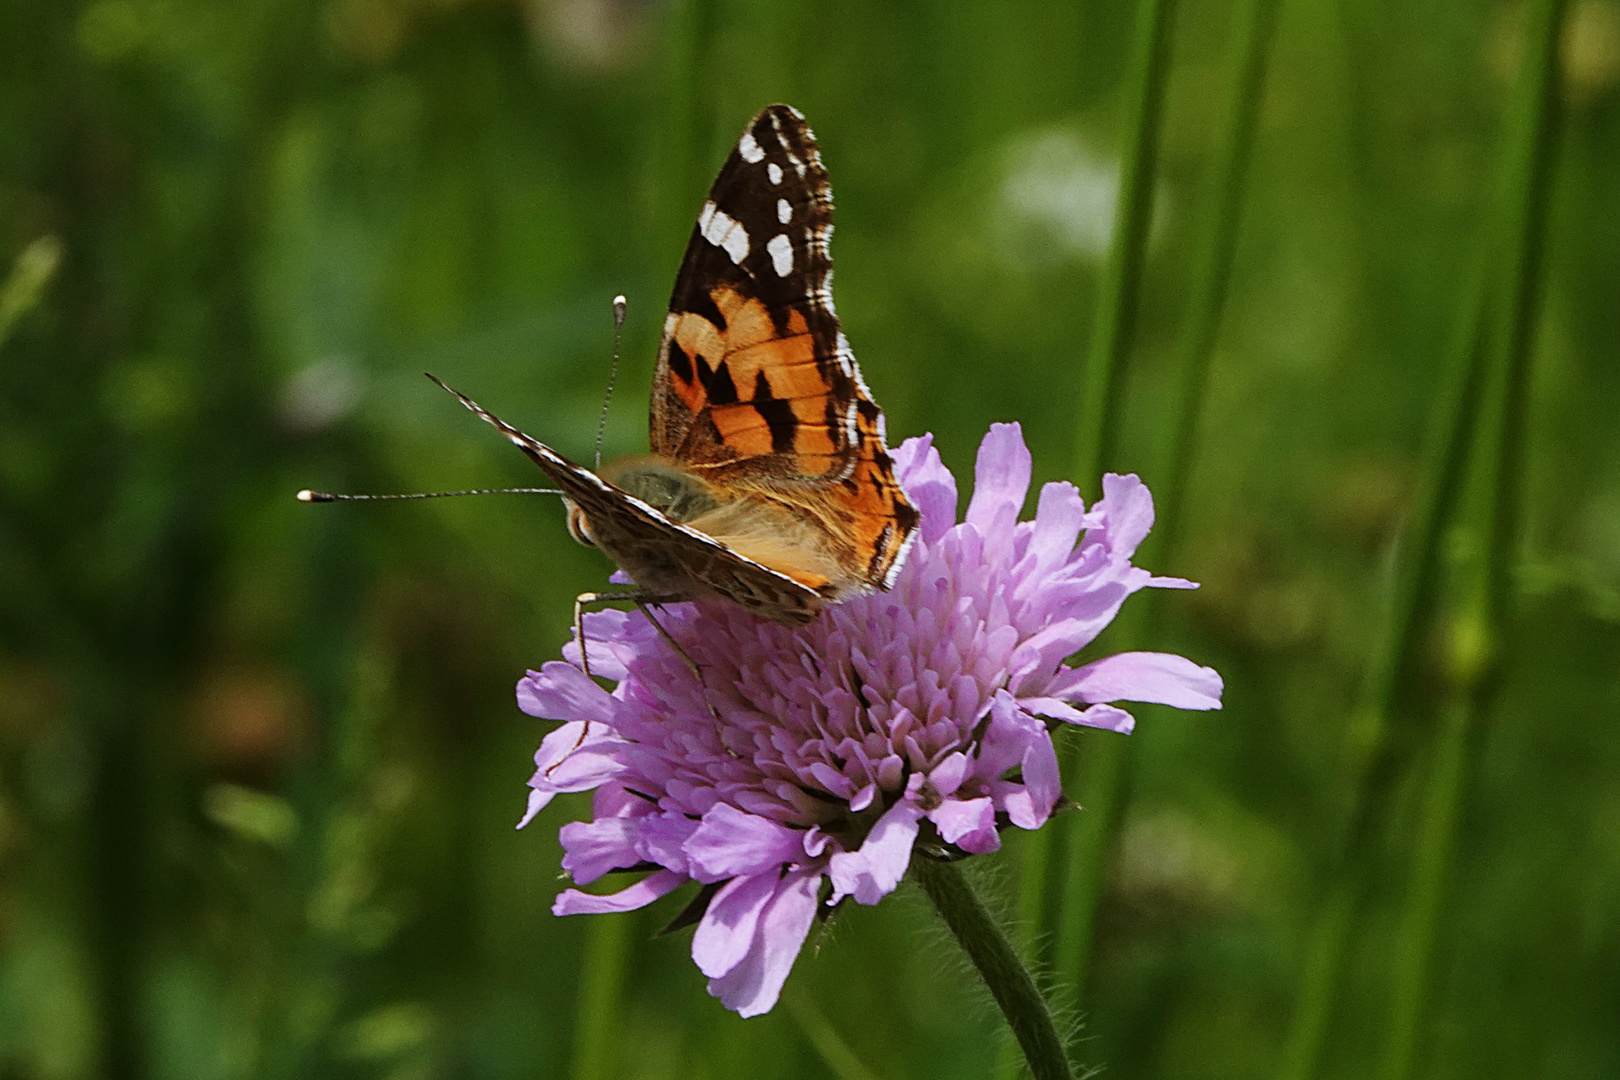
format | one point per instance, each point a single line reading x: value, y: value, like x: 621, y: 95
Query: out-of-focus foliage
x: 259, y: 761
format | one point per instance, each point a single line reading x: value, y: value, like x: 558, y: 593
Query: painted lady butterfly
x: 769, y: 483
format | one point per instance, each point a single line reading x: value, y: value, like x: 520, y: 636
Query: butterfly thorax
x: 677, y: 493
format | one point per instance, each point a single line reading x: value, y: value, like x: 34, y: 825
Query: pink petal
x: 872, y: 873
x: 576, y: 757
x: 610, y: 650
x: 1163, y: 678
x: 642, y: 893
x: 663, y: 839
x: 1129, y: 508
x: 1058, y: 518
x: 1041, y: 778
x: 725, y: 934
x: 1031, y: 802
x: 752, y: 987
x: 1000, y: 480
x: 731, y: 843
x: 1171, y: 583
x: 592, y: 848
x: 1098, y: 716
x: 928, y: 484
x: 948, y: 775
x: 970, y: 824
x: 560, y: 691
x: 537, y: 802
x: 1108, y: 717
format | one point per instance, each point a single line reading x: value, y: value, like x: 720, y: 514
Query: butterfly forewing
x: 757, y: 388
x: 753, y: 365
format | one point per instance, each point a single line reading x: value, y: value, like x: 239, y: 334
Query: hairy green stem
x: 998, y: 964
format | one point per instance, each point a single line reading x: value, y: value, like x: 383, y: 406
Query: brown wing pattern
x: 756, y: 387
x: 661, y: 556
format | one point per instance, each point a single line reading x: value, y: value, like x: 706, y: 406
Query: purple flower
x: 830, y: 748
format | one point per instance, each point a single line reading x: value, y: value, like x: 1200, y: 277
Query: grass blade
x: 1514, y: 249
x: 1112, y: 337
x: 1482, y: 619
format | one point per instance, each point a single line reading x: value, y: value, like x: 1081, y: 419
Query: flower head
x: 806, y: 763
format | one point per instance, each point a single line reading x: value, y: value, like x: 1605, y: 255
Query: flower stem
x: 998, y: 965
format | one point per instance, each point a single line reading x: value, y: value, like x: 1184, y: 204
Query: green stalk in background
x: 1257, y: 23
x: 25, y: 286
x: 1109, y: 786
x: 1111, y: 341
x: 819, y: 1032
x: 682, y: 167
x: 1482, y: 618
x: 1514, y: 250
x: 1114, y: 331
x: 1378, y: 753
x: 597, y: 1031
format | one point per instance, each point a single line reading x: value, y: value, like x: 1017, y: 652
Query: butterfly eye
x: 578, y: 527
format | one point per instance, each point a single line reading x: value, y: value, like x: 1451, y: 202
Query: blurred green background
x: 260, y: 761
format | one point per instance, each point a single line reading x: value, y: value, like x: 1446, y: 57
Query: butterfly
x: 769, y: 483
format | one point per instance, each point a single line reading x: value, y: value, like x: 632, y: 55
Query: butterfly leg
x: 580, y: 603
x: 646, y: 603
x: 635, y: 596
x: 643, y: 601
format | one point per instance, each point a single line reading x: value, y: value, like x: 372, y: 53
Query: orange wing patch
x: 744, y: 388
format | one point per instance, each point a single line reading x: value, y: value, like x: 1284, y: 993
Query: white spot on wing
x: 784, y: 211
x: 775, y: 172
x: 899, y: 560
x: 749, y: 149
x: 798, y: 166
x: 721, y: 230
x: 781, y: 250
x: 846, y: 361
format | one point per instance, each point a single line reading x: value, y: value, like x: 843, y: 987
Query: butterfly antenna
x: 326, y: 496
x: 613, y: 375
